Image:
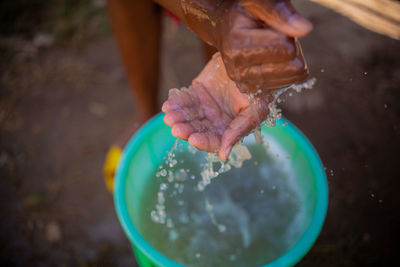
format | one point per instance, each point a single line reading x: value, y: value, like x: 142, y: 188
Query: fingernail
x: 300, y: 24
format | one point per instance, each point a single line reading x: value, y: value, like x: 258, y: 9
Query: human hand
x: 256, y: 38
x: 260, y: 51
x: 212, y: 114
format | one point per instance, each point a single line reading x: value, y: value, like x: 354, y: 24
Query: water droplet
x: 170, y: 176
x: 180, y: 175
x: 201, y: 186
x: 180, y: 188
x: 154, y: 216
x: 163, y: 186
x: 258, y: 136
x: 239, y: 154
x: 161, y: 199
x: 172, y: 163
x: 221, y: 228
x: 173, y: 235
x: 192, y: 149
x: 208, y: 206
x: 170, y: 223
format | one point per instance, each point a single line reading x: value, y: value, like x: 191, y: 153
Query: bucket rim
x: 289, y: 258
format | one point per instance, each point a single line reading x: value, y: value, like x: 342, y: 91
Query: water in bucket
x: 247, y: 216
x: 135, y: 176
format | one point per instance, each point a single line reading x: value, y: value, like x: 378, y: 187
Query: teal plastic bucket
x: 150, y: 144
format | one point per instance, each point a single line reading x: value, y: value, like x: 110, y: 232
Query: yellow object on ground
x: 110, y: 166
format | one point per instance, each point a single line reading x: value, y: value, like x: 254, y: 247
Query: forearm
x: 199, y: 15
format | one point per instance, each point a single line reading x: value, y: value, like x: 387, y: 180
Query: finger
x: 255, y: 46
x: 268, y: 86
x: 281, y: 73
x: 182, y: 130
x: 173, y: 117
x: 169, y: 106
x: 205, y: 141
x: 280, y: 15
x: 240, y: 127
x: 178, y: 99
x: 171, y: 103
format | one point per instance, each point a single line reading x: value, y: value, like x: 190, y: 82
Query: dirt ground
x: 61, y: 107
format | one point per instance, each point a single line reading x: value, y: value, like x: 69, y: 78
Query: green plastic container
x: 150, y: 144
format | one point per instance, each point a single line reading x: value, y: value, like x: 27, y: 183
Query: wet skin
x: 212, y: 114
x: 257, y: 40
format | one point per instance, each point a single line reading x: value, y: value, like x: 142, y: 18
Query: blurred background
x: 64, y: 99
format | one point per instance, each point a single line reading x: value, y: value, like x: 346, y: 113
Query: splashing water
x: 275, y: 113
x: 229, y: 220
x: 209, y: 209
x: 177, y: 176
x: 213, y: 167
x: 174, y: 177
x: 254, y: 102
x: 159, y: 215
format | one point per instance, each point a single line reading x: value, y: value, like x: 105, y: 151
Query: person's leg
x: 137, y: 29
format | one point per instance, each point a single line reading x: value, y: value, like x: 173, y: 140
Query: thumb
x: 237, y: 129
x: 244, y: 123
x: 280, y: 15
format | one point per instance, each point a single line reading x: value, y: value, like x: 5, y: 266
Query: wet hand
x: 257, y: 41
x: 212, y: 114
